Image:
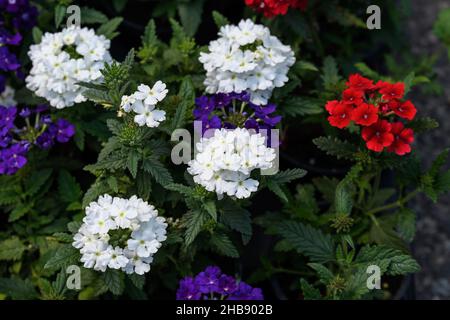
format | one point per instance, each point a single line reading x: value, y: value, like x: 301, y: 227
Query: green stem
x: 398, y: 203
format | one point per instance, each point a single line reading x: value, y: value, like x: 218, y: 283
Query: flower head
x: 213, y: 284
x: 121, y: 234
x: 62, y: 60
x: 247, y: 58
x: 403, y: 137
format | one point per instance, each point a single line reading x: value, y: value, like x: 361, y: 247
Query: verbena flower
x: 143, y: 104
x: 234, y: 110
x: 248, y: 58
x: 375, y: 108
x: 271, y: 8
x: 62, y: 60
x: 16, y: 17
x: 212, y: 284
x: 16, y: 141
x: 225, y: 161
x: 120, y: 234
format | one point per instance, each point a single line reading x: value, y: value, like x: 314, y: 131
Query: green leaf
x: 68, y: 187
x: 441, y: 27
x: 442, y: 182
x: 36, y: 181
x: 305, y: 65
x: 11, y: 249
x: 19, y: 211
x: 184, y: 190
x: 367, y: 71
x: 144, y: 184
x: 276, y: 188
x: 238, y: 219
x: 137, y: 280
x: 210, y: 207
x: 325, y: 275
x: 132, y: 162
x: 302, y: 106
x: 37, y: 35
x: 158, y: 171
x: 119, y: 5
x: 391, y: 261
x: 63, y: 237
x: 18, y: 289
x: 191, y: 15
x: 440, y: 160
x: 335, y: 147
x: 219, y: 19
x: 422, y: 124
x: 65, y: 255
x: 343, y: 201
x: 79, y: 137
x: 109, y: 28
x: 92, y: 16
x: 114, y: 281
x: 288, y: 175
x: 193, y: 221
x: 60, y: 13
x: 74, y: 226
x: 319, y: 247
x: 150, y: 38
x: 187, y: 98
x: 406, y: 224
x: 330, y: 73
x: 309, y: 292
x: 326, y: 187
x: 382, y: 233
x: 223, y: 245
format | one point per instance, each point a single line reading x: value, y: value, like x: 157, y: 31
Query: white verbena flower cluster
x: 248, y: 58
x: 120, y: 234
x: 143, y: 103
x: 64, y: 58
x: 7, y: 97
x: 225, y: 161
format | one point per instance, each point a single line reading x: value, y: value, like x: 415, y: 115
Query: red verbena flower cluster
x: 376, y: 108
x: 271, y: 8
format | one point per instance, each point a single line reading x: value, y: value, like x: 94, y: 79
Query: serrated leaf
x: 309, y: 292
x: 343, y: 201
x: 114, y: 281
x: 187, y: 96
x: 157, y: 170
x: 19, y: 211
x: 18, y: 289
x: 193, y: 221
x: 68, y: 187
x: 210, y: 207
x: 65, y: 255
x: 330, y: 73
x: 238, y: 219
x: 37, y: 180
x: 132, y: 162
x: 302, y: 106
x: 288, y: 175
x: 223, y: 245
x: 319, y: 247
x: 325, y: 275
x: 11, y: 249
x: 422, y: 124
x: 109, y: 28
x: 391, y: 261
x: 335, y: 147
x: 91, y: 16
x: 406, y: 224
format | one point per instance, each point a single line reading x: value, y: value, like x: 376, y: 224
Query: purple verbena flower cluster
x: 16, y: 16
x: 234, y: 110
x: 212, y: 284
x: 15, y: 142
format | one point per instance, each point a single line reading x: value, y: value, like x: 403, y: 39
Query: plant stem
x: 398, y: 203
